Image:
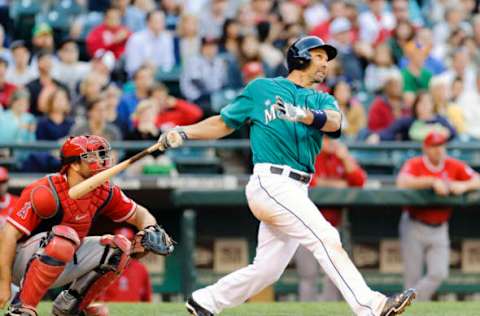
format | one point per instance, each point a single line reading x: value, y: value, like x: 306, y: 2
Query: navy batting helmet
x: 298, y: 55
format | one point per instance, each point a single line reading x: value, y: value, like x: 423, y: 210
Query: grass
x: 285, y: 309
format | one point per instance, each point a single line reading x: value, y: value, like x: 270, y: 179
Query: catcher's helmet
x: 93, y: 149
x: 298, y: 54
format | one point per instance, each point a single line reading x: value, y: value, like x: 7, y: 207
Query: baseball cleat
x: 195, y: 309
x: 21, y: 310
x: 396, y: 304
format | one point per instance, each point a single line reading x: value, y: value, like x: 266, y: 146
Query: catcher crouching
x: 44, y: 243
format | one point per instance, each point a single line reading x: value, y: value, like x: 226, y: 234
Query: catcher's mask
x: 94, y: 150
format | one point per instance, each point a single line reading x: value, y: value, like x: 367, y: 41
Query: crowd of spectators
x: 404, y: 67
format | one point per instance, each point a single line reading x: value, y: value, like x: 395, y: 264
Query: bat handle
x: 146, y: 152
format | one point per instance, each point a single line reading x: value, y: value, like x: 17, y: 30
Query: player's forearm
x: 472, y: 184
x: 211, y: 128
x: 142, y: 218
x: 415, y: 183
x: 333, y: 121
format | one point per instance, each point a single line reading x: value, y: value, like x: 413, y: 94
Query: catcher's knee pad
x: 48, y: 263
x: 85, y: 289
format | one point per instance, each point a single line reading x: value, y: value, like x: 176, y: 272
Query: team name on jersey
x: 269, y: 113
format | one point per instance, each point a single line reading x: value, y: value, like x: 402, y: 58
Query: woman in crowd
x: 55, y: 124
x: 355, y: 118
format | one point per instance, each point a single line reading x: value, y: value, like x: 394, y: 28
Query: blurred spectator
x: 439, y: 89
x: 262, y: 9
x: 336, y: 9
x: 89, y: 90
x: 153, y: 46
x: 6, y: 88
x: 342, y: 40
x: 469, y: 102
x: 203, y: 75
x: 69, y: 70
x: 251, y: 71
x: 56, y: 124
x: 212, y: 18
x: 271, y: 56
x: 134, y: 283
x: 188, y: 36
x: 454, y: 19
x: 102, y: 65
x: 97, y: 123
x: 355, y: 118
x: 403, y: 33
x: 143, y: 79
x: 415, y: 76
x: 20, y: 73
x: 131, y: 15
x: 422, y: 44
x: 17, y: 124
x: 415, y: 127
x: 111, y: 35
x: 7, y: 200
x: 461, y: 67
x: 314, y: 13
x: 172, y: 111
x: 40, y: 88
x: 229, y: 41
x: 380, y: 69
x: 400, y: 11
x: 144, y: 122
x: 375, y: 23
x: 5, y: 53
x: 172, y: 10
x: 112, y: 98
x: 476, y: 40
x: 388, y: 106
x: 42, y: 39
x: 334, y: 168
x: 424, y: 231
x: 246, y: 18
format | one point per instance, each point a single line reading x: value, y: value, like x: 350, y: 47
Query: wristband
x: 319, y: 119
x: 181, y: 132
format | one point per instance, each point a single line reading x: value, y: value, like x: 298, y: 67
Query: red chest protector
x: 78, y: 214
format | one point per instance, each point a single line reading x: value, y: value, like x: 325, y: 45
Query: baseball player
x: 287, y: 122
x: 44, y: 243
x: 7, y: 200
x: 334, y: 168
x: 424, y: 231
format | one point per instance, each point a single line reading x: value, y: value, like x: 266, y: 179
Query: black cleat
x: 396, y: 304
x: 195, y: 309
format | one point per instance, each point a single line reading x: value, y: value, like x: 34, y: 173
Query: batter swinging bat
x: 94, y: 181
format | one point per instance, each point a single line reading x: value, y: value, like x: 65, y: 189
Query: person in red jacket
x: 111, y: 35
x: 388, y: 106
x: 424, y: 231
x: 334, y: 168
x: 7, y: 200
x: 134, y: 284
x: 173, y: 111
x: 44, y: 243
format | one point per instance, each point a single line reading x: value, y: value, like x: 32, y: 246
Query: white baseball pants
x: 289, y: 218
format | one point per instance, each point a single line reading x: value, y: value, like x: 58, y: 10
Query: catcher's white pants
x: 289, y: 218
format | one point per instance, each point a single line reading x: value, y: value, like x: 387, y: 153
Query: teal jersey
x: 272, y: 139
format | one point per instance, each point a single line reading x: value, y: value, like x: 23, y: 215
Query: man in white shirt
x: 375, y: 23
x: 20, y: 73
x: 154, y: 45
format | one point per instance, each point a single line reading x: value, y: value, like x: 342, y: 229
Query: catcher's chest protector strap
x: 73, y: 210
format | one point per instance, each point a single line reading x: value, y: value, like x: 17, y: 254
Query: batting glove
x: 172, y: 138
x: 289, y: 112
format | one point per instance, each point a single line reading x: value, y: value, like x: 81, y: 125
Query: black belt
x: 293, y: 175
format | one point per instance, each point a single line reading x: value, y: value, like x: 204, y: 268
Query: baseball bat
x: 88, y: 185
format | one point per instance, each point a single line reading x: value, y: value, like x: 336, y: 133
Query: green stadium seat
x: 19, y: 8
x: 68, y: 7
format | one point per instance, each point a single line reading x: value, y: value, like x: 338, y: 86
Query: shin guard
x: 47, y: 264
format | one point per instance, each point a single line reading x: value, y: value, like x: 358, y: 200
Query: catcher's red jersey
x: 77, y: 214
x: 451, y: 170
x: 6, y: 206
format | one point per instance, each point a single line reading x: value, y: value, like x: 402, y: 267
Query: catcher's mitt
x: 154, y: 239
